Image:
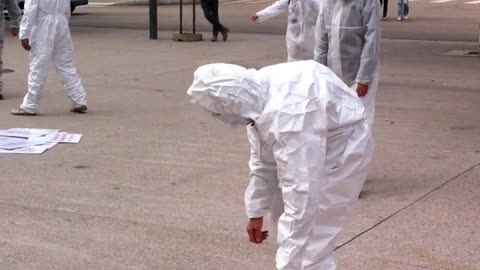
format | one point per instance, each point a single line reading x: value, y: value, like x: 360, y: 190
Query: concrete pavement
x: 157, y: 184
x: 447, y: 21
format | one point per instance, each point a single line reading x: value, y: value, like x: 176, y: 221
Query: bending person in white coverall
x: 302, y: 17
x: 309, y: 151
x: 45, y: 31
x: 348, y: 42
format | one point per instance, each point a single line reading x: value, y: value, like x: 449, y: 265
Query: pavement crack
x: 407, y: 206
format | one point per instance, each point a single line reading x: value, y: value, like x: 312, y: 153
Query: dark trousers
x: 384, y: 3
x: 210, y: 10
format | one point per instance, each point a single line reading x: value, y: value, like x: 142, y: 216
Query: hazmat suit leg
x: 40, y: 58
x: 337, y: 200
x: 72, y: 84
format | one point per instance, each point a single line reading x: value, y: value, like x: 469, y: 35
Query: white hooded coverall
x: 302, y: 17
x: 309, y: 150
x: 348, y: 42
x: 46, y: 24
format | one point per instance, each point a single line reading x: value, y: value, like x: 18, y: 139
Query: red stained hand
x: 26, y: 44
x: 362, y: 89
x: 255, y: 233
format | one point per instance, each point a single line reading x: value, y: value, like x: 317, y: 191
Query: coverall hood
x: 230, y: 91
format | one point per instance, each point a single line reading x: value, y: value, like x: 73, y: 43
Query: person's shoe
x: 399, y: 18
x: 406, y: 17
x: 214, y: 36
x: 384, y: 18
x: 225, y: 33
x: 1, y: 96
x: 22, y: 112
x: 79, y: 109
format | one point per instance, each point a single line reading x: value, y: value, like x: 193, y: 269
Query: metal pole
x: 153, y: 19
x: 194, y: 14
x: 181, y: 16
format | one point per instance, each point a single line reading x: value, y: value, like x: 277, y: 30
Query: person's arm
x: 15, y: 14
x: 68, y: 13
x: 273, y: 10
x: 371, y: 48
x: 29, y: 15
x: 300, y: 153
x: 321, y: 39
x: 263, y: 179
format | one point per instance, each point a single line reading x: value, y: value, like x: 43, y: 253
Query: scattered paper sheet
x: 71, y: 138
x: 33, y: 141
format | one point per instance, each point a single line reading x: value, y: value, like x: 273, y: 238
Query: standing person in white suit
x: 348, y: 42
x: 302, y: 16
x: 309, y: 151
x: 45, y: 32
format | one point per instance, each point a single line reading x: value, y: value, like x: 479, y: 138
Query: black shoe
x: 214, y: 36
x: 225, y: 33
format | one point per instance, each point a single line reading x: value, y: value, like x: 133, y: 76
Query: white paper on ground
x: 32, y: 150
x: 33, y: 141
x: 26, y: 132
x: 71, y: 138
x: 9, y: 143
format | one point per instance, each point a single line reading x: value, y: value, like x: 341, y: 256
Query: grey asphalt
x: 158, y: 184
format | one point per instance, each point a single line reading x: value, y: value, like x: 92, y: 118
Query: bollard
x: 153, y: 19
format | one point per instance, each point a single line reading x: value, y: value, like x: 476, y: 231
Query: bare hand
x: 26, y: 44
x: 254, y: 18
x: 255, y: 233
x: 362, y: 89
x: 14, y: 32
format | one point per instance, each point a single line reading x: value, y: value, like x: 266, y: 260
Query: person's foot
x: 79, y: 109
x: 384, y: 18
x: 22, y: 112
x: 225, y: 33
x: 214, y: 36
x: 406, y: 17
x: 399, y: 18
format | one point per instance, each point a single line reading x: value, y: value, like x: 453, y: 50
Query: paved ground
x: 448, y: 21
x: 156, y: 184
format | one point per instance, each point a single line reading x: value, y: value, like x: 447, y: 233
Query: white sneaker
x: 399, y: 18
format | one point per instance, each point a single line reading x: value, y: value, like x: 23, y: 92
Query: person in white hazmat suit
x: 302, y: 17
x: 348, y: 42
x: 15, y: 15
x: 44, y: 30
x: 309, y: 151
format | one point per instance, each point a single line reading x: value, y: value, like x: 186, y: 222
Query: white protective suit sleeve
x: 263, y: 178
x: 300, y: 153
x: 321, y: 40
x: 273, y: 10
x: 370, y: 52
x: 29, y: 15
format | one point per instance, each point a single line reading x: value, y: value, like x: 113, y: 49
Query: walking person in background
x: 403, y: 10
x: 384, y: 3
x: 210, y: 10
x: 44, y: 31
x: 15, y: 16
x: 302, y: 18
